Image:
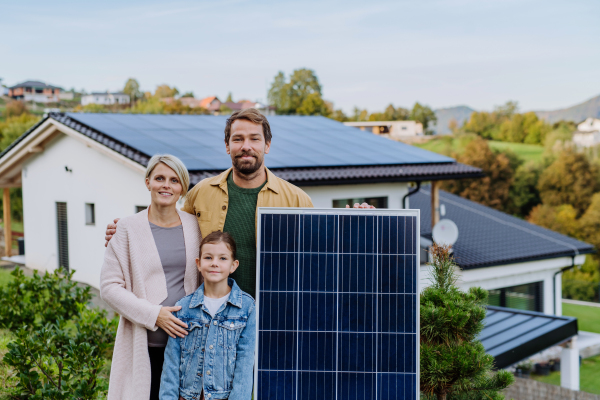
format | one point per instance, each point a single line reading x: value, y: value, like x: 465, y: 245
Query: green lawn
x: 588, y: 318
x: 447, y: 144
x: 588, y: 376
x: 525, y: 151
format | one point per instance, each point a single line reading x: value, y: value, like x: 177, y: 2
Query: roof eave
x: 528, y: 259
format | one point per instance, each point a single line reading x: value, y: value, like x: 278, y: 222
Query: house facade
x: 587, y: 133
x: 105, y: 98
x: 393, y: 129
x: 79, y: 171
x: 36, y: 91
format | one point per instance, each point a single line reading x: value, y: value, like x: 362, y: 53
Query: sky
x: 443, y: 53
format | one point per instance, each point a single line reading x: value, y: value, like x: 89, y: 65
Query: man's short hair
x: 252, y: 115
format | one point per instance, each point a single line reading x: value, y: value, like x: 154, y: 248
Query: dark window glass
x: 379, y: 202
x: 90, y: 214
x: 527, y: 297
x: 140, y: 208
x: 63, y: 235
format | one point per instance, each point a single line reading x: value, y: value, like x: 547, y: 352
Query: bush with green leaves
x: 40, y: 299
x: 60, y: 345
x: 454, y: 364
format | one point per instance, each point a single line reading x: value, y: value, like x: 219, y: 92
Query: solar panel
x: 337, y: 304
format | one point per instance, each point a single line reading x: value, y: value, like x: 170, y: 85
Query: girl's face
x: 164, y: 185
x: 216, y: 262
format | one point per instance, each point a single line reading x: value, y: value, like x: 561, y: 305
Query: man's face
x: 247, y: 146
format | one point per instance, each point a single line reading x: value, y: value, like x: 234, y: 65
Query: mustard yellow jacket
x: 209, y: 199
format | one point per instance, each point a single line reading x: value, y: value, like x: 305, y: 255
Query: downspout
x: 560, y: 272
x: 410, y: 193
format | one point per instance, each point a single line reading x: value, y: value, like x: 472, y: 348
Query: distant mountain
x: 577, y: 113
x: 444, y: 115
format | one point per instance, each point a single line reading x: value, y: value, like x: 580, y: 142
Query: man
x: 228, y: 202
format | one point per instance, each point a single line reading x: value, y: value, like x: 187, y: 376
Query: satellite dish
x: 445, y: 232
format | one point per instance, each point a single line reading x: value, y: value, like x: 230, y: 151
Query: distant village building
x: 105, y: 98
x: 587, y: 133
x: 393, y: 129
x: 38, y: 92
x: 215, y: 106
x: 211, y: 103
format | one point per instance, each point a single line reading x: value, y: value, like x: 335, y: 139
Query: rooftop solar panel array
x: 297, y: 141
x: 337, y: 304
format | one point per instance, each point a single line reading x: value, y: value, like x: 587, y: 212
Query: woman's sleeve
x: 112, y: 284
x: 243, y: 375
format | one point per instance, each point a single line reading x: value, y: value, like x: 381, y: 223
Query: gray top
x: 171, y: 249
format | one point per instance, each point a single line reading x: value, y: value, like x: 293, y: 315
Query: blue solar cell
x: 297, y: 141
x: 337, y: 304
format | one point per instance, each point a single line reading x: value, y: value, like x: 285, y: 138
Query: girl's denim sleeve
x: 169, y: 381
x: 243, y: 375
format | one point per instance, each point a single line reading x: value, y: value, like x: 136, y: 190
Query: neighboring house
x: 245, y: 104
x: 105, y: 98
x: 518, y: 262
x: 96, y: 164
x: 211, y: 103
x: 587, y: 133
x: 36, y: 91
x: 393, y: 129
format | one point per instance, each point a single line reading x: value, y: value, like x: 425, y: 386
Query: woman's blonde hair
x: 175, y: 164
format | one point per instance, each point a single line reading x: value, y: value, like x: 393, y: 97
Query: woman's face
x: 164, y: 186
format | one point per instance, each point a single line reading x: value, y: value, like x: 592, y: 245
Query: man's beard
x: 246, y: 167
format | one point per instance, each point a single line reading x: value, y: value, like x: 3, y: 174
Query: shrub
x: 454, y: 364
x: 41, y: 299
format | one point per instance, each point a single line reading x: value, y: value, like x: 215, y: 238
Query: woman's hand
x: 168, y: 323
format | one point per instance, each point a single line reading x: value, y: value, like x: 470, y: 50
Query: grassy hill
x: 576, y: 113
x: 447, y: 145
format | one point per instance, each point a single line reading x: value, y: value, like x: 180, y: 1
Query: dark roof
x: 513, y: 335
x: 488, y: 237
x: 305, y: 151
x: 35, y: 84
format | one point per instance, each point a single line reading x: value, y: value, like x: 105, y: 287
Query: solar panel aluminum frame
x: 341, y: 211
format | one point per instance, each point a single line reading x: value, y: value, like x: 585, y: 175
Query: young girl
x: 216, y: 358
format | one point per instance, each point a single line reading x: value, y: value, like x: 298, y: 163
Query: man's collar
x: 221, y: 180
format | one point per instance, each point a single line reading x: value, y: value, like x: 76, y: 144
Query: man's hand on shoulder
x: 111, y: 229
x: 363, y: 205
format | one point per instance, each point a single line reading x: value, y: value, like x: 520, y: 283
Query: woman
x: 149, y: 265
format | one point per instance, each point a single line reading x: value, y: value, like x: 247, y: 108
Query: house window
x: 90, y: 214
x: 379, y: 202
x: 528, y: 297
x: 140, y: 208
x: 63, y: 235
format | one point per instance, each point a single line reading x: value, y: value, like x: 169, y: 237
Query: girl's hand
x: 167, y: 321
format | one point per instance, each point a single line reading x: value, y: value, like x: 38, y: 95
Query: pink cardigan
x: 133, y: 283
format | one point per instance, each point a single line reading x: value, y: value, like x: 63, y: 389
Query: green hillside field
x: 447, y: 145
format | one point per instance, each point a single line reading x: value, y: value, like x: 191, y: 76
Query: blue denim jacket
x: 219, y: 349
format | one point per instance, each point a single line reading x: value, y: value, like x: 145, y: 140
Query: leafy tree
x: 132, y: 88
x: 581, y: 282
x: 494, y: 189
x: 524, y: 194
x: 14, y: 127
x: 390, y: 114
x: 15, y: 108
x: 229, y: 98
x: 359, y: 115
x: 454, y: 364
x: 561, y: 218
x: 188, y: 94
x: 424, y: 115
x: 288, y: 97
x: 339, y: 115
x: 483, y: 124
x: 163, y: 91
x: 589, y: 223
x: 313, y: 104
x: 571, y: 179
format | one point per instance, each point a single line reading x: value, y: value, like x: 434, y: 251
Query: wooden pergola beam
x: 7, y: 224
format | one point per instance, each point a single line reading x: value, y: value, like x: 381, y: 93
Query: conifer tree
x: 454, y: 364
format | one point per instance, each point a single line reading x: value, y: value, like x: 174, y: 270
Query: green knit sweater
x: 241, y: 224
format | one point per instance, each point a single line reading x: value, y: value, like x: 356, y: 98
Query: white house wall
x: 517, y: 274
x: 96, y: 178
x: 323, y: 196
